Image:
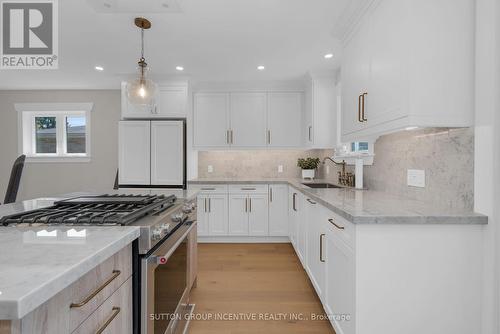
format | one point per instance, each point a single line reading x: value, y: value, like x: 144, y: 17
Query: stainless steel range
x: 162, y: 253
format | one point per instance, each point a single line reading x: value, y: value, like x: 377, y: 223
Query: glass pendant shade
x: 141, y: 91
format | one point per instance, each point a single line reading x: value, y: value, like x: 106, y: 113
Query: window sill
x: 60, y: 159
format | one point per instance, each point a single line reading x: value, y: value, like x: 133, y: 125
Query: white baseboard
x: 243, y: 239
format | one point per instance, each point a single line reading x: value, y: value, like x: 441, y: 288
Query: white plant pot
x: 308, y: 173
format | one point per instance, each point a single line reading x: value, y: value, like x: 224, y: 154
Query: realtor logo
x: 29, y: 34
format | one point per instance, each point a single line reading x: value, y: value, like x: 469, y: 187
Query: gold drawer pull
x: 116, y: 273
x: 101, y: 329
x: 337, y: 226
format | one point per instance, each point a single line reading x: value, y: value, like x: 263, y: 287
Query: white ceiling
x: 214, y: 40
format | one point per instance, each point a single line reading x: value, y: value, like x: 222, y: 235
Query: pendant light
x: 141, y: 91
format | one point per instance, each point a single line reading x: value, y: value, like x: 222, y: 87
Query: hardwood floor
x: 254, y: 280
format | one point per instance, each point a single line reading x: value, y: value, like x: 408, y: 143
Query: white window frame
x: 27, y: 131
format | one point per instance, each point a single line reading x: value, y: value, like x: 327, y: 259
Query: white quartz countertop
x: 37, y: 263
x: 367, y: 206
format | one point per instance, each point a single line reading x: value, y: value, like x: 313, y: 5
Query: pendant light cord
x: 142, y: 43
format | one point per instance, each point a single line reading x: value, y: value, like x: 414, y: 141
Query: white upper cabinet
x: 134, y: 152
x: 403, y: 67
x: 211, y: 120
x: 248, y: 119
x: 284, y: 119
x: 320, y: 119
x: 167, y: 152
x: 171, y: 102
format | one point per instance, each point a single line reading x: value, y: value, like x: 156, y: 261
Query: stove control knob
x: 187, y: 209
x: 165, y: 227
x: 177, y: 217
x: 156, y: 235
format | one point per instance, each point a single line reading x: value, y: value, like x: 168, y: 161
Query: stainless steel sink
x: 321, y: 185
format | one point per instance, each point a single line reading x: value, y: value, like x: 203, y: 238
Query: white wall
x: 487, y: 164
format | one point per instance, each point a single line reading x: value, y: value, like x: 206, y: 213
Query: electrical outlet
x: 210, y: 169
x: 416, y: 178
x: 280, y: 169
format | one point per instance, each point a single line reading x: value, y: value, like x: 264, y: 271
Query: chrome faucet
x: 345, y: 179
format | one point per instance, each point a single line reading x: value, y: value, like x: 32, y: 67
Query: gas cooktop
x: 94, y: 210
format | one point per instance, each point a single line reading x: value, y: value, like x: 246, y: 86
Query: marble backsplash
x: 446, y: 155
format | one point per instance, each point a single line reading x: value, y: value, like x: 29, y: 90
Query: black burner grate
x: 94, y: 210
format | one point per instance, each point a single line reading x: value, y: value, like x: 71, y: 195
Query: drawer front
x: 342, y: 228
x: 210, y: 188
x: 113, y: 316
x: 97, y: 285
x: 248, y: 188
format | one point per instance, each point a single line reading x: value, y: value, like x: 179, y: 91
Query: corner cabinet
x: 226, y: 120
x: 398, y: 71
x: 170, y: 102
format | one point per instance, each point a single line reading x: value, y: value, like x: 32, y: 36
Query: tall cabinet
x: 151, y: 153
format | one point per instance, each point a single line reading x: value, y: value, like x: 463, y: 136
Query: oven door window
x: 170, y: 282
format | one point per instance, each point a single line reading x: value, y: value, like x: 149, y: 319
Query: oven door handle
x: 162, y: 259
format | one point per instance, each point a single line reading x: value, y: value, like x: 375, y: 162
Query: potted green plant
x: 308, y: 167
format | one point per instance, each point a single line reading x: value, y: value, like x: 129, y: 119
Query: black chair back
x: 15, y: 180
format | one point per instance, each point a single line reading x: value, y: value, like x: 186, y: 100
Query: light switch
x: 280, y: 169
x: 416, y: 178
x: 210, y: 169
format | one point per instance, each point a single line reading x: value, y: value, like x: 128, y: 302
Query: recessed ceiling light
x: 179, y: 68
x: 329, y: 55
x: 261, y: 68
x: 411, y: 128
x: 99, y: 68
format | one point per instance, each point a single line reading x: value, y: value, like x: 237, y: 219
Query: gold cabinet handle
x: 115, y: 310
x: 116, y: 273
x: 321, y: 248
x: 337, y: 226
x: 360, y: 97
x: 363, y: 100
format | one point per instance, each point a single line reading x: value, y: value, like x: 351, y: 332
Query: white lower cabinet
x: 301, y: 228
x: 278, y: 210
x: 238, y: 214
x: 212, y: 214
x: 338, y: 299
x: 316, y: 233
x: 293, y: 216
x: 258, y: 215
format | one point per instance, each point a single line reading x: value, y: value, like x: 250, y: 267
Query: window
x: 55, y: 132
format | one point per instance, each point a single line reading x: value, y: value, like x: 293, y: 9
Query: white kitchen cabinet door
x: 248, y: 119
x: 278, y: 210
x: 171, y: 102
x: 387, y: 85
x: 202, y: 214
x: 134, y: 152
x: 340, y: 286
x: 315, y: 245
x: 293, y: 216
x: 355, y: 76
x: 238, y: 214
x: 217, y: 215
x: 258, y: 215
x: 167, y: 153
x: 284, y: 119
x: 302, y: 228
x: 211, y: 120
